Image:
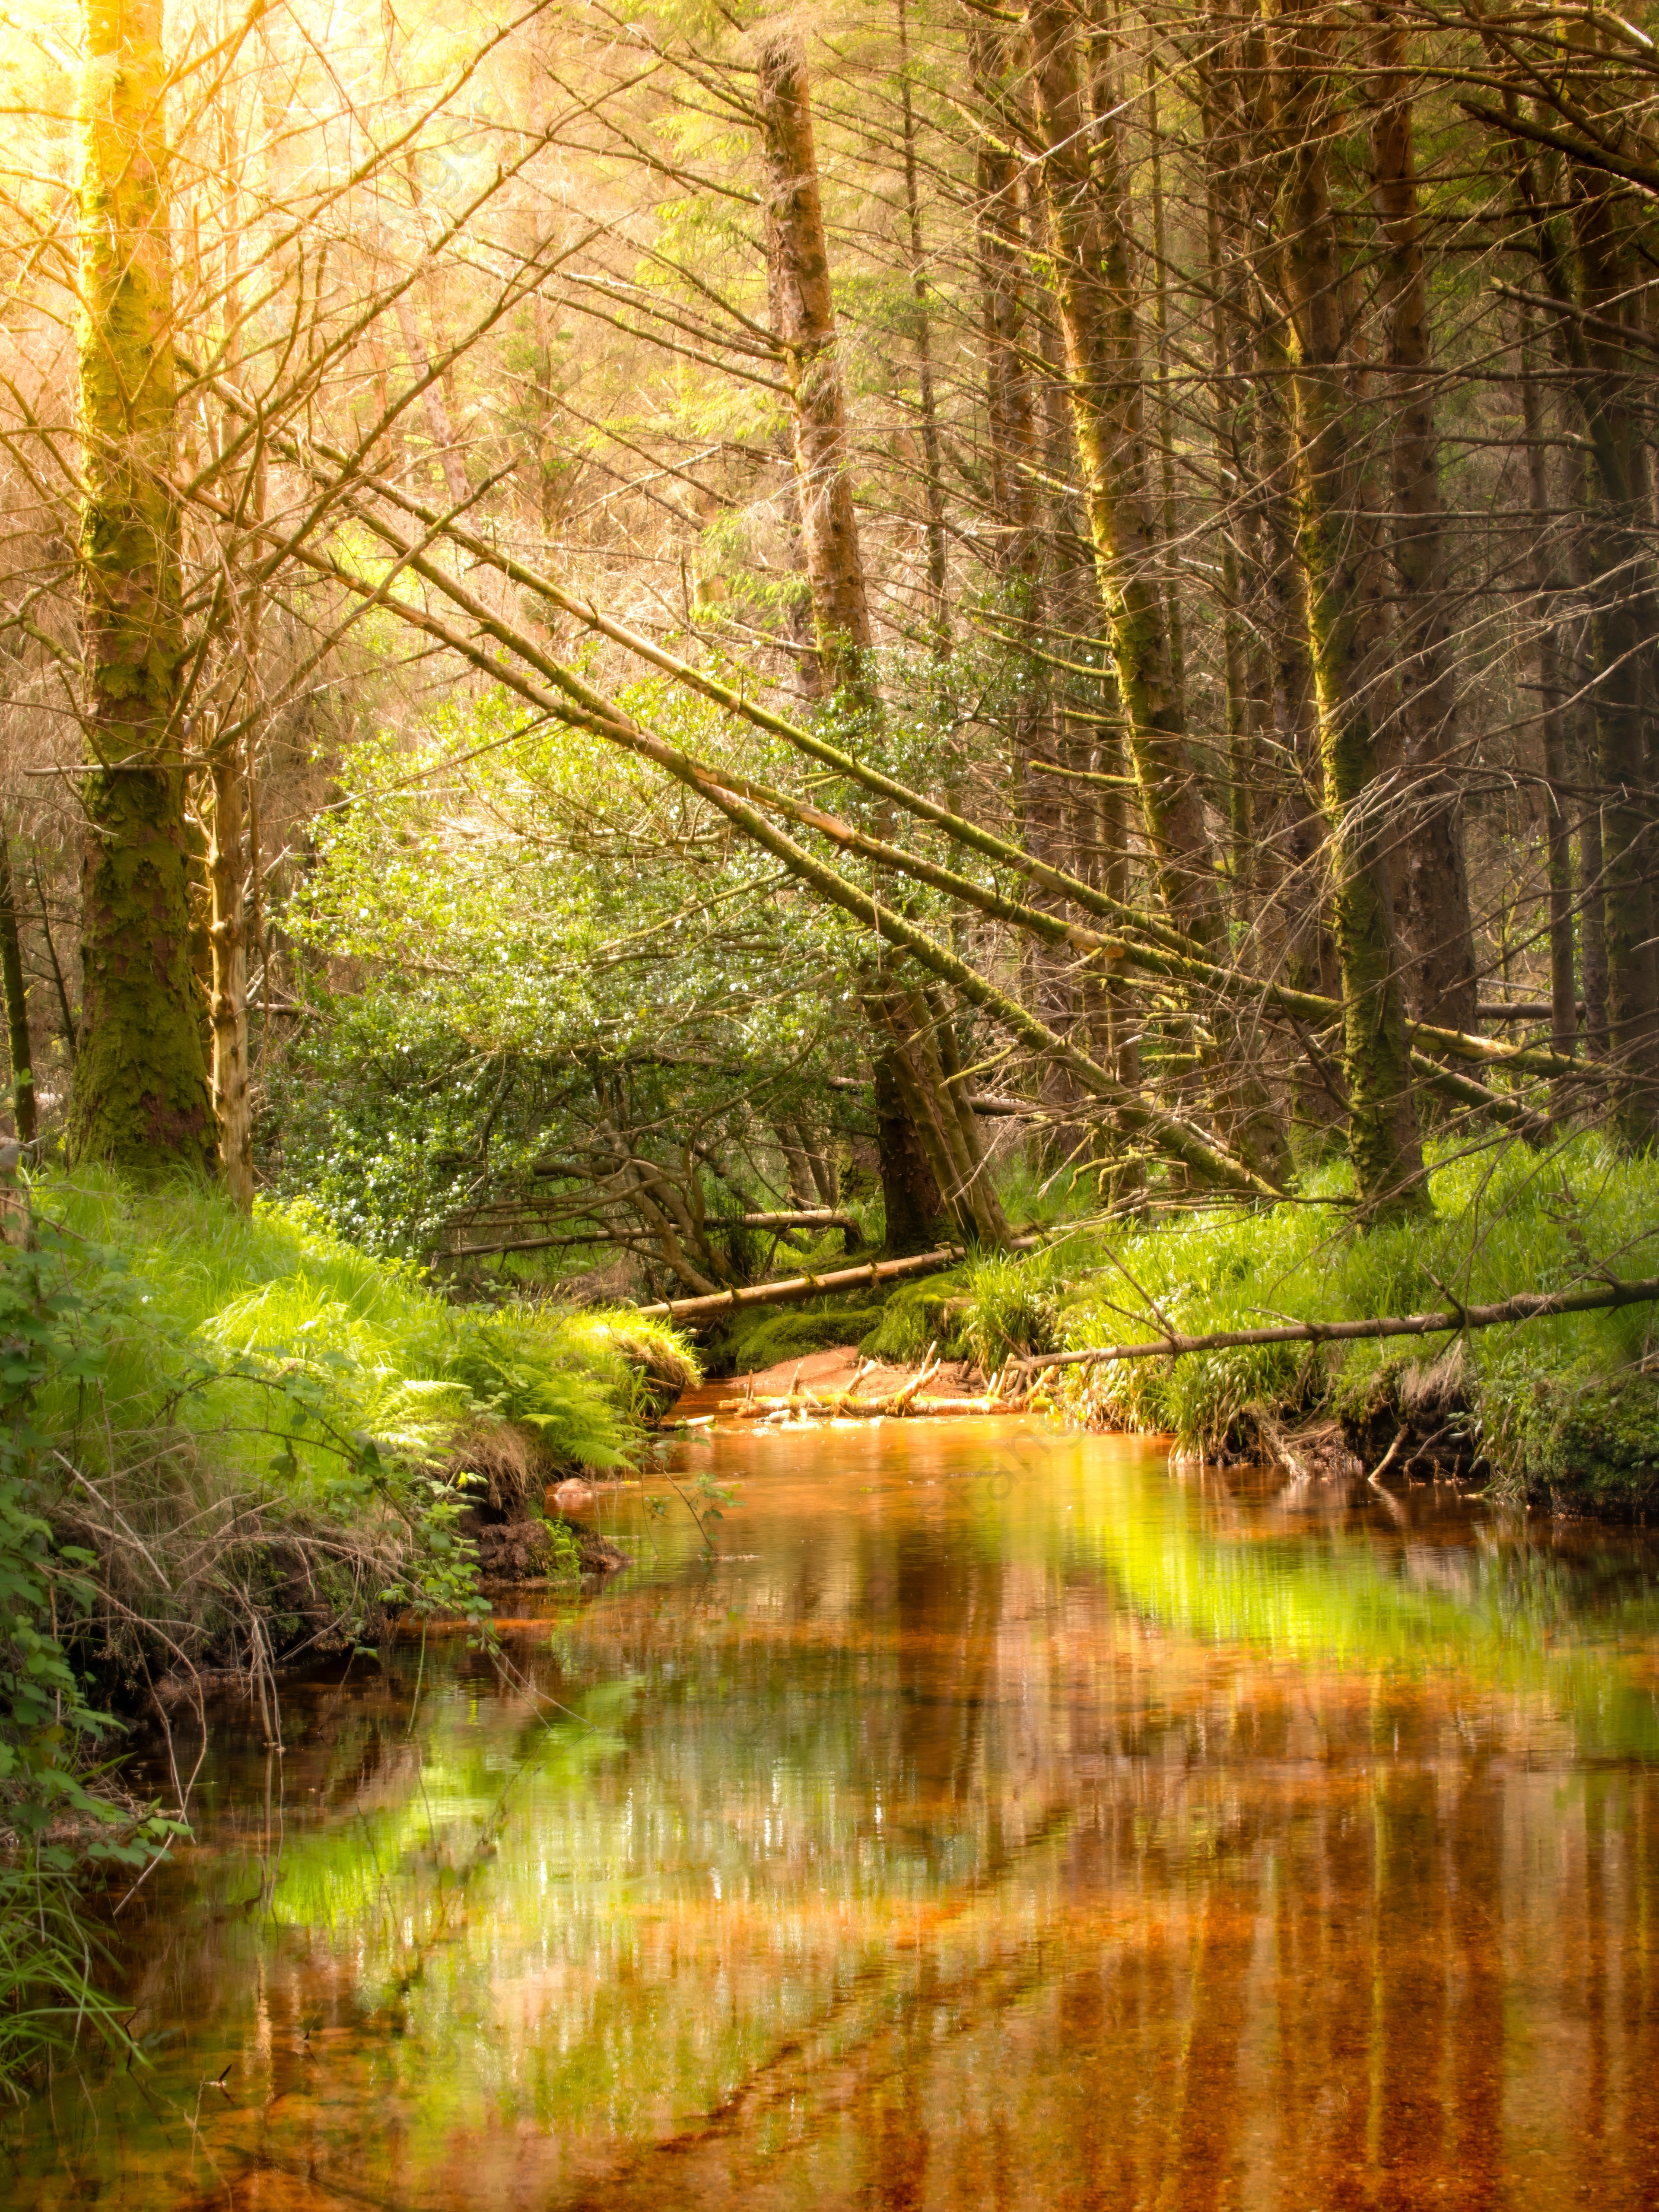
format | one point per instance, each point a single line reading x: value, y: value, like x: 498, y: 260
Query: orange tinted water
x: 999, y: 1821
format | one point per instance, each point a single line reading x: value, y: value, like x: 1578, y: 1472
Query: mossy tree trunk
x: 1345, y: 628
x: 140, y: 1088
x: 1015, y: 456
x: 16, y: 991
x: 1084, y: 192
x: 1086, y: 196
x: 803, y: 322
x: 1432, y: 874
x: 933, y: 465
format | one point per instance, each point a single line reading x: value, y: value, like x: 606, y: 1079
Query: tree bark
x: 1549, y: 585
x: 1093, y: 289
x: 1430, y: 873
x: 141, y: 1090
x: 16, y: 997
x: 912, y: 1203
x: 227, y: 1010
x: 1622, y: 629
x: 1586, y: 770
x: 1346, y: 632
x: 1087, y: 208
x: 932, y: 470
x: 804, y: 326
x: 1014, y: 444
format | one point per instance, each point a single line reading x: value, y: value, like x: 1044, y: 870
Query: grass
x: 226, y: 1443
x: 1565, y: 1408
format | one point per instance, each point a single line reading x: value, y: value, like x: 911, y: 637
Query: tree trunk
x: 1552, y: 719
x: 1430, y: 875
x: 798, y: 260
x: 1014, y: 451
x: 912, y: 1203
x: 451, y: 466
x: 1090, y: 246
x: 1585, y: 768
x: 16, y: 991
x: 141, y: 1090
x: 932, y: 470
x: 1348, y: 635
x: 1087, y: 209
x: 805, y: 325
x: 1623, y: 633
x: 1166, y: 442
x: 1298, y: 835
x: 227, y: 863
x: 1232, y: 440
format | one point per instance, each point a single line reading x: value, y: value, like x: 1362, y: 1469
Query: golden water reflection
x: 998, y: 1822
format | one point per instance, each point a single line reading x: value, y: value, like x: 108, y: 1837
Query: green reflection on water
x: 1000, y: 1775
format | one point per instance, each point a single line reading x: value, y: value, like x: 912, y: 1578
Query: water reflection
x: 1006, y: 1824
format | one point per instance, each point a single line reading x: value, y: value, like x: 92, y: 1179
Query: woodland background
x: 619, y: 624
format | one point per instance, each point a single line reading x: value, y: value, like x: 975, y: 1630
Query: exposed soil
x: 522, y: 1551
x: 832, y: 1370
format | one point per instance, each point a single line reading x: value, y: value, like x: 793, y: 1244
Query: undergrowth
x: 223, y: 1443
x: 1564, y: 1406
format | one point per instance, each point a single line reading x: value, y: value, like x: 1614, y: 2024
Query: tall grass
x: 1502, y: 1223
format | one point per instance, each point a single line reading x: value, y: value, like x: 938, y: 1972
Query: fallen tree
x: 1527, y: 1305
x: 870, y: 1274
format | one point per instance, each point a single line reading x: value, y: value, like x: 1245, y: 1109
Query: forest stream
x: 988, y: 1815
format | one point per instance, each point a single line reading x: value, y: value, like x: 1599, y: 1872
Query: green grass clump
x: 263, y: 1437
x: 237, y: 1329
x: 1560, y: 1406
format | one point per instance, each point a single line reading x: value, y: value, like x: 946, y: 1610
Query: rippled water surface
x: 997, y: 1821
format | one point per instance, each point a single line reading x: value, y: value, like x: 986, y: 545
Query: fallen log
x: 814, y: 1217
x: 903, y: 1406
x: 868, y: 1274
x: 1528, y: 1305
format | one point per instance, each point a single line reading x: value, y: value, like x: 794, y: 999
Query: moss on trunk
x: 141, y: 1096
x: 1346, y: 632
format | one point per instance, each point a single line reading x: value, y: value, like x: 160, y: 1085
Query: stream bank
x: 1559, y: 1415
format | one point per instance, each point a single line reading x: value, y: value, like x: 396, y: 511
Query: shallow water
x: 997, y: 1821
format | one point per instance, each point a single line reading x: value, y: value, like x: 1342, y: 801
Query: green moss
x: 1583, y: 1442
x: 933, y: 1311
x: 763, y: 1337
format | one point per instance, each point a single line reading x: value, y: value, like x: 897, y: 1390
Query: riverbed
x: 978, y: 1814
